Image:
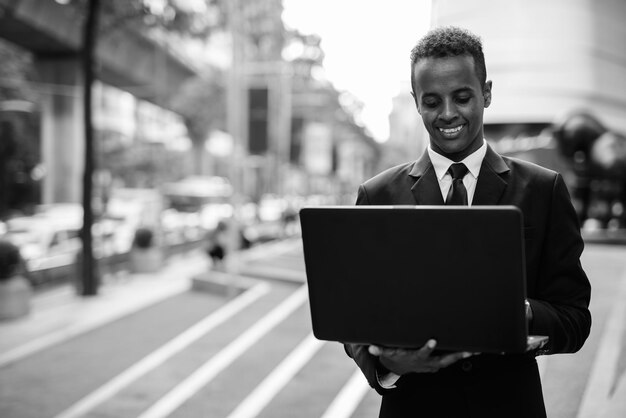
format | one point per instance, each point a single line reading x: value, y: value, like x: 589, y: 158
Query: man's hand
x: 402, y: 361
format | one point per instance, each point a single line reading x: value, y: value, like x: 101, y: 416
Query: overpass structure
x: 125, y: 58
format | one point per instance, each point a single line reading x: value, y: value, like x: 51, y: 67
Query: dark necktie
x: 457, y: 195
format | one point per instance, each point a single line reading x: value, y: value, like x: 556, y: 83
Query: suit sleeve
x: 361, y: 197
x: 561, y: 303
x: 368, y: 364
x: 363, y: 359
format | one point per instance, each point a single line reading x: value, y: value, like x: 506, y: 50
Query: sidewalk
x: 59, y: 314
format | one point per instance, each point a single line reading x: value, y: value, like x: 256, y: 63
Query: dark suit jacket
x: 557, y: 288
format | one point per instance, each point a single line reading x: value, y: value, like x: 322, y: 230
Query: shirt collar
x: 472, y: 161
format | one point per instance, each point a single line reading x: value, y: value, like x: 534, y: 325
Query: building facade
x: 548, y: 58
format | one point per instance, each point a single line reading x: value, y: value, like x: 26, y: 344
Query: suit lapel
x: 426, y: 189
x: 491, y: 184
x: 489, y: 189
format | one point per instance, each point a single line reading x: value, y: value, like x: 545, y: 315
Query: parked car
x: 52, y: 237
x: 45, y: 243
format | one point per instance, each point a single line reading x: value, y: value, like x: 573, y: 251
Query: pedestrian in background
x: 217, y: 245
x: 224, y: 242
x: 451, y: 91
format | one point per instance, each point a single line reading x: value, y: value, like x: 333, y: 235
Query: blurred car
x: 110, y: 233
x: 271, y: 208
x: 129, y: 209
x: 52, y: 237
x: 180, y: 226
x: 195, y: 205
x: 211, y: 214
x: 45, y: 243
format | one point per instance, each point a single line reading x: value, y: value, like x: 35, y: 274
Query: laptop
x: 398, y: 276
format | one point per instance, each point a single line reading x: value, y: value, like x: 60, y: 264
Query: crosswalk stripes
x: 347, y: 400
x: 279, y: 377
x: 186, y: 389
x: 166, y: 351
x: 597, y: 391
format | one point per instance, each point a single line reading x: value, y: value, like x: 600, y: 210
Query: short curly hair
x: 450, y: 41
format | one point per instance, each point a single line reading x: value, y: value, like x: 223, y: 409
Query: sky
x: 367, y: 45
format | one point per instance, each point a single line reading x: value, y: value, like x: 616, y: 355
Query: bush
x: 143, y: 238
x: 10, y: 260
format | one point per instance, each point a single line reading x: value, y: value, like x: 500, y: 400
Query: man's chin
x: 450, y: 147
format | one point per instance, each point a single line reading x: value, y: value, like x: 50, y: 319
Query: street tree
x: 187, y: 18
x: 19, y: 153
x: 201, y: 102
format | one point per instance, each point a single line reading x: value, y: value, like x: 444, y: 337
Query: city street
x: 155, y: 156
x: 152, y: 346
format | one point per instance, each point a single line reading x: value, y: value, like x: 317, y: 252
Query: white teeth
x: 451, y: 131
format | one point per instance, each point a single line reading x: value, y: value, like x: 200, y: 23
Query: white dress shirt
x: 472, y: 162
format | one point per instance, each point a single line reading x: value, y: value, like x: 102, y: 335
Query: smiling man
x: 451, y: 92
x: 451, y: 99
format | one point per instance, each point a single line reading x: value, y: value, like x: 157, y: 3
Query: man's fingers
x: 449, y: 359
x: 424, y: 352
x: 428, y: 348
x: 375, y: 350
x: 380, y: 351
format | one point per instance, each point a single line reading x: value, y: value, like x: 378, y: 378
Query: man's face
x: 451, y: 101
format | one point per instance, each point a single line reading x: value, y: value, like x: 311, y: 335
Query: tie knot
x: 457, y: 171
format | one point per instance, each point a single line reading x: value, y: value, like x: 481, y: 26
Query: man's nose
x: 448, y: 112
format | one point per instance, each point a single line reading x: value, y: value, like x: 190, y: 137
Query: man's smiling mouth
x: 451, y: 131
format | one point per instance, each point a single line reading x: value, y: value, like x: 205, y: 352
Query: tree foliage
x: 201, y: 100
x: 186, y: 17
x: 201, y: 103
x: 192, y: 18
x: 15, y: 72
x: 19, y: 130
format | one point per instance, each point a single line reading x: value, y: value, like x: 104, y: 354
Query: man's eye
x: 430, y: 103
x: 463, y: 99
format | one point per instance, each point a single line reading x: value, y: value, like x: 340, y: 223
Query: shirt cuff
x: 388, y: 380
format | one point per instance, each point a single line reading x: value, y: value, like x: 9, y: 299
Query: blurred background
x: 136, y: 134
x: 171, y: 115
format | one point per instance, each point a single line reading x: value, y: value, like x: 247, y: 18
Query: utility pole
x: 88, y: 271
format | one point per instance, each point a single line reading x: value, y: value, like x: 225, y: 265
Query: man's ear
x: 416, y: 104
x: 487, y: 92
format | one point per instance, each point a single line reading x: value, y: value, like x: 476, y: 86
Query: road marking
x: 348, y: 399
x: 275, y: 381
x: 617, y: 406
x: 196, y: 381
x: 597, y: 391
x: 159, y: 356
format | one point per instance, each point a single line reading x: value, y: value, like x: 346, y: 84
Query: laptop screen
x: 398, y: 276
